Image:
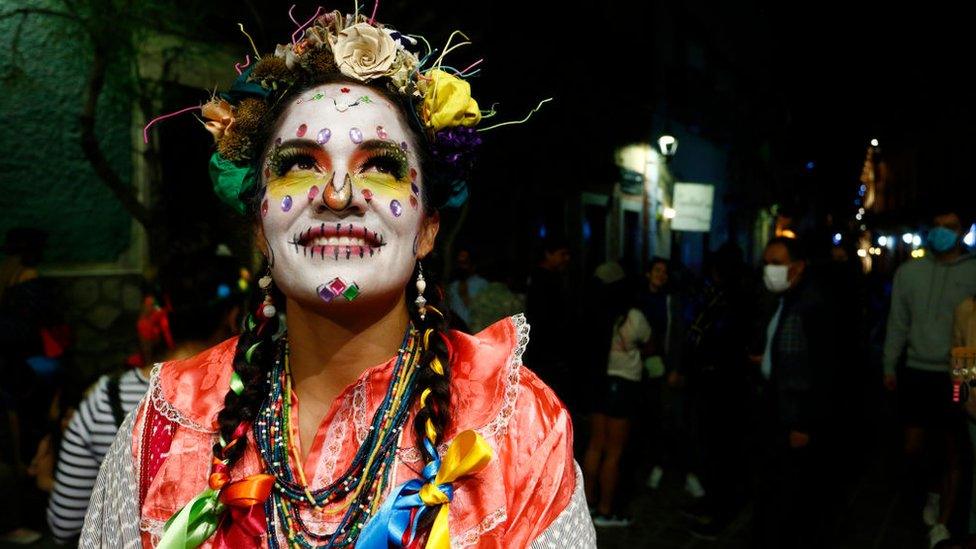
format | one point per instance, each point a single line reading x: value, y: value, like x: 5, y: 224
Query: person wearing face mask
x: 347, y: 413
x: 792, y: 407
x: 924, y: 297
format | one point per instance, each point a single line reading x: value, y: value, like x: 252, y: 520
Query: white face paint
x: 342, y: 205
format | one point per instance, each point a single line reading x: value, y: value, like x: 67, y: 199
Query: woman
x: 619, y: 397
x: 361, y: 420
x: 198, y: 306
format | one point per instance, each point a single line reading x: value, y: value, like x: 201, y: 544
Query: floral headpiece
x: 358, y: 48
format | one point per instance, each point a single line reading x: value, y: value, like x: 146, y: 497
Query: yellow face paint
x: 376, y: 181
x: 295, y: 167
x: 381, y: 166
x: 296, y: 184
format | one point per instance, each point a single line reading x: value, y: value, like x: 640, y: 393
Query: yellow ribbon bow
x: 467, y: 454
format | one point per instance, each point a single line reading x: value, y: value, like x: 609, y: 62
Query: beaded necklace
x: 357, y: 491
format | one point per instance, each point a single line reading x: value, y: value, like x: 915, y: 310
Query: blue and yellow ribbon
x: 396, y: 522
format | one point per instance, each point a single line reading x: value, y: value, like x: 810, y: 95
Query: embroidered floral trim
x: 472, y: 535
x: 334, y: 437
x: 165, y: 408
x: 412, y: 455
x: 360, y: 401
x: 499, y: 425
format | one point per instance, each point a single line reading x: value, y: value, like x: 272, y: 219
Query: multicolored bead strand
x: 357, y: 491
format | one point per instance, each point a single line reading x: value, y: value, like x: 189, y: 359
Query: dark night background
x: 788, y: 96
x: 774, y: 85
x: 775, y: 103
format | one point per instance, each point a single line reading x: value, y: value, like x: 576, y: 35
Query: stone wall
x: 102, y: 312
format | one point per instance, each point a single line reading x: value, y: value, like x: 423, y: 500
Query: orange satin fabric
x: 507, y: 504
x: 247, y: 491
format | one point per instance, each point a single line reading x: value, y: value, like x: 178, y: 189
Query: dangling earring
x: 420, y: 302
x: 268, y: 309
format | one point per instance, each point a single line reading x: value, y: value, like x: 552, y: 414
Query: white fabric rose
x: 364, y: 52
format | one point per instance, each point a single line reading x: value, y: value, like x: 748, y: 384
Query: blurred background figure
x: 715, y: 374
x: 549, y: 310
x: 792, y: 508
x: 923, y: 299
x: 196, y: 303
x: 617, y: 398
x: 664, y: 407
x: 467, y: 284
x: 34, y: 341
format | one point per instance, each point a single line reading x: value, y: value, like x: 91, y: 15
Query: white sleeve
x: 113, y: 514
x: 573, y: 527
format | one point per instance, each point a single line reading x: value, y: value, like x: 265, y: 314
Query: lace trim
x: 412, y: 454
x: 153, y: 527
x: 334, y: 437
x: 499, y: 425
x: 472, y: 535
x: 165, y: 408
x: 359, y: 404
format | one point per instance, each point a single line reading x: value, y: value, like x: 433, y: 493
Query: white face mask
x: 776, y: 278
x: 342, y: 208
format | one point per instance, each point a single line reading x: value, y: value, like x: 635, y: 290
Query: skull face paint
x: 338, y: 232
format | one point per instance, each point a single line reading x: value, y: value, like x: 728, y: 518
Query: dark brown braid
x: 256, y: 334
x: 438, y: 408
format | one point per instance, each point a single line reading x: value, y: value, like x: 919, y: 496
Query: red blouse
x: 528, y: 483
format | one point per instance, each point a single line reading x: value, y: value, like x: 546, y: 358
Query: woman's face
x: 342, y: 214
x: 658, y: 276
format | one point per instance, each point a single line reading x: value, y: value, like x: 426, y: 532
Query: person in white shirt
x: 618, y: 398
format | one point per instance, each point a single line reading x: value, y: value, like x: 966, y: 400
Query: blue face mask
x: 942, y: 240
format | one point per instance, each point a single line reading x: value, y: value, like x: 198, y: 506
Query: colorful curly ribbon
x: 201, y: 516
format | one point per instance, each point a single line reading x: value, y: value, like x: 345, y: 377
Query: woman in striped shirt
x: 201, y: 304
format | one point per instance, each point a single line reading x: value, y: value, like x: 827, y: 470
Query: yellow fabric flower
x: 448, y: 102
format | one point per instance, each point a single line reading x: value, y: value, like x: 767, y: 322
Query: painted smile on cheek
x: 338, y: 241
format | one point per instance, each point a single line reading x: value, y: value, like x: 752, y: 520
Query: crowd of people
x: 58, y: 425
x: 752, y: 385
x: 762, y: 388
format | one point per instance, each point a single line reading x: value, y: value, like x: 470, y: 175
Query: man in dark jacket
x: 793, y: 412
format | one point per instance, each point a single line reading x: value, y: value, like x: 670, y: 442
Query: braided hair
x: 255, y: 354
